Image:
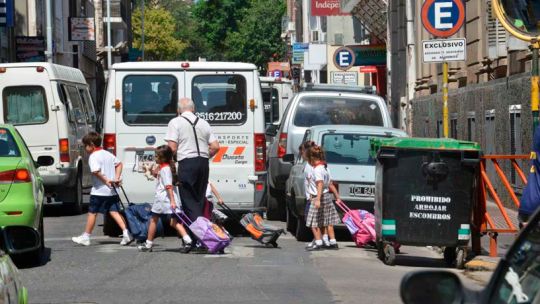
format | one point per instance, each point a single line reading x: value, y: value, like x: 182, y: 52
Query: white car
x: 142, y: 98
x: 50, y: 105
x: 350, y: 164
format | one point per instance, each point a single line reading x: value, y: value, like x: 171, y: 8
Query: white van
x: 276, y: 92
x: 51, y: 107
x: 142, y: 98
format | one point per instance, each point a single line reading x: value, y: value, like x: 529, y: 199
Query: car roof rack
x: 338, y: 88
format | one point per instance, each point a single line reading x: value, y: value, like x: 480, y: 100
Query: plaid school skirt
x: 325, y: 215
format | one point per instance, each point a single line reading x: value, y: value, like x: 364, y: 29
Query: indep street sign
x: 444, y: 50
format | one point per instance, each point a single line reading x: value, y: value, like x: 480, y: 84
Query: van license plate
x: 361, y: 191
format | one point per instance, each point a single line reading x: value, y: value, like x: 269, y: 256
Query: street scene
x: 273, y: 151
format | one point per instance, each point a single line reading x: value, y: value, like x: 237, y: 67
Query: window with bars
x: 515, y: 137
x: 453, y: 125
x: 496, y: 34
x: 471, y: 126
x: 440, y: 128
x: 489, y: 130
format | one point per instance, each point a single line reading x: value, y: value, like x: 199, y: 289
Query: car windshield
x: 220, y: 99
x: 349, y: 149
x: 149, y: 99
x: 520, y: 283
x: 8, y: 147
x: 314, y: 110
x: 25, y: 105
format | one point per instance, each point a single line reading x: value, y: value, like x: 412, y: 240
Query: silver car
x: 350, y: 165
x: 308, y: 109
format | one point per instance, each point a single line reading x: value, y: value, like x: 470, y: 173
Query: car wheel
x: 291, y: 221
x: 274, y: 209
x: 303, y: 233
x: 76, y: 201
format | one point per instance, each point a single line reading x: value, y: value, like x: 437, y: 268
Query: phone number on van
x: 221, y: 116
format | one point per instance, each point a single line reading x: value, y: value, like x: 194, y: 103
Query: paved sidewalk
x: 481, y: 267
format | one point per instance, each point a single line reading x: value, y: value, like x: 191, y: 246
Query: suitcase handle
x: 125, y: 195
x: 230, y: 211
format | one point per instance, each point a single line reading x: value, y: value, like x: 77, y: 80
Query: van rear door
x: 29, y: 104
x: 223, y: 99
x: 148, y: 102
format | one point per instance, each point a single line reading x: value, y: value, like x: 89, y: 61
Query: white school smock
x: 162, y: 204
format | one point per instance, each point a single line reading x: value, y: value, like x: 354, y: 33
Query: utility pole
x: 411, y: 65
x: 48, y: 12
x: 445, y: 99
x: 142, y: 30
x: 109, y: 47
x: 535, y: 77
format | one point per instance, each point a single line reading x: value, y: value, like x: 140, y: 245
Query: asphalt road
x: 248, y: 273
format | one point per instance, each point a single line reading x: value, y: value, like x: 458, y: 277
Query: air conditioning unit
x: 338, y: 39
x: 315, y: 36
x: 323, y: 37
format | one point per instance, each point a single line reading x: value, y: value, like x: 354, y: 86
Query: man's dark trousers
x: 193, y: 178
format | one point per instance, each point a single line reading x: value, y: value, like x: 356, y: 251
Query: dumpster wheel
x: 455, y: 257
x: 389, y: 255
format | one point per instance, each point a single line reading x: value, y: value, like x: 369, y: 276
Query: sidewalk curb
x: 482, y: 263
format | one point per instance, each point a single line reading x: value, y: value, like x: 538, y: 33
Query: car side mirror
x: 45, y: 161
x: 431, y: 287
x: 272, y: 130
x: 288, y: 158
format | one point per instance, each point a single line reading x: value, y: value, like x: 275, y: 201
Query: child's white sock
x: 125, y: 232
x: 318, y: 242
x: 149, y: 243
x: 86, y: 235
x: 325, y: 238
x: 187, y: 239
x: 333, y: 242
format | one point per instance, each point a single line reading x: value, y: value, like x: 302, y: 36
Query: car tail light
x: 282, y: 145
x: 259, y: 187
x: 109, y: 142
x: 63, y: 143
x: 260, y: 152
x: 15, y: 176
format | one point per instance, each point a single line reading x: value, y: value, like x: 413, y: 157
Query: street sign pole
x: 445, y: 99
x: 535, y: 77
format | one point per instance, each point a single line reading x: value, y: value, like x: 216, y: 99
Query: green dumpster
x: 424, y: 193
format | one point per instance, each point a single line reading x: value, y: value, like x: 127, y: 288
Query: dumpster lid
x: 421, y: 143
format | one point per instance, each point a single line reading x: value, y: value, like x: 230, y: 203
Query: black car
x: 516, y: 279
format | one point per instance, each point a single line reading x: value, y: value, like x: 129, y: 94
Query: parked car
x: 51, y: 106
x: 21, y: 195
x: 308, y: 109
x: 350, y: 164
x: 276, y: 92
x: 516, y: 279
x: 12, y: 289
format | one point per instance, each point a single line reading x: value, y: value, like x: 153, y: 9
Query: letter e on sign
x: 443, y: 18
x: 344, y: 58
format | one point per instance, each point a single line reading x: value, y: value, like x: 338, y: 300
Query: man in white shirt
x: 194, y: 142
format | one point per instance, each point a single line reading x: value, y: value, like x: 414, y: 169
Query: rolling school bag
x: 257, y: 228
x: 360, y: 223
x: 209, y: 234
x: 138, y: 217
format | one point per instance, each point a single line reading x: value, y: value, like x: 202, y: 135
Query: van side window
x: 149, y: 99
x: 77, y: 113
x: 25, y: 105
x: 220, y: 99
x: 88, y: 105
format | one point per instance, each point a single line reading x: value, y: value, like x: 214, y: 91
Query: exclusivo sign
x: 326, y: 8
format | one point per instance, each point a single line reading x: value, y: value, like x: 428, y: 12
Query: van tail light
x: 15, y: 176
x: 260, y: 152
x: 259, y: 187
x: 63, y: 143
x: 282, y: 145
x: 109, y: 142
